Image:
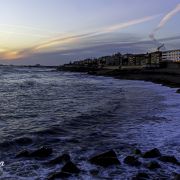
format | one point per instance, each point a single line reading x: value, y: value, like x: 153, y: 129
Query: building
x: 154, y: 60
x: 125, y: 59
x: 141, y: 59
x: 134, y: 61
x: 172, y: 55
x: 117, y: 59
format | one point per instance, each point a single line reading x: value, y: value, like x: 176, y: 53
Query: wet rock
x: 177, y: 177
x: 67, y: 170
x: 170, y: 159
x: 132, y: 161
x: 178, y: 91
x: 137, y: 151
x: 42, y: 152
x: 70, y: 168
x: 152, y: 153
x: 153, y: 165
x: 23, y: 141
x: 60, y: 159
x: 106, y: 159
x: 141, y: 176
x: 23, y: 153
x: 94, y: 172
x: 57, y: 175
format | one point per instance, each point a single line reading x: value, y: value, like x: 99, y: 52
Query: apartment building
x: 172, y: 55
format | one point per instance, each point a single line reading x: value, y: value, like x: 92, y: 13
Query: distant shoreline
x: 163, y: 76
x: 159, y: 76
x: 167, y: 79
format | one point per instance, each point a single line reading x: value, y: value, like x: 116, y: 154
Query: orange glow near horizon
x: 25, y: 41
x: 11, y: 55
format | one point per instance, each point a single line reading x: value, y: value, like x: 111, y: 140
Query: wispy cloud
x: 128, y: 24
x: 64, y: 56
x: 73, y: 39
x: 113, y: 28
x: 11, y: 55
x: 165, y: 20
x: 61, y: 40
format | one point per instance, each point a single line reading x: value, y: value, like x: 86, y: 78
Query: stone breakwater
x: 151, y: 160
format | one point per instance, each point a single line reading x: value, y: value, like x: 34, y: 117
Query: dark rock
x: 42, y: 152
x: 137, y: 151
x: 70, y: 168
x: 178, y: 91
x: 170, y: 159
x: 177, y: 177
x: 23, y: 153
x: 106, y: 159
x: 57, y: 175
x: 67, y: 170
x: 60, y: 159
x: 94, y: 172
x: 153, y: 165
x: 152, y: 153
x: 23, y: 141
x: 141, y: 176
x: 132, y: 161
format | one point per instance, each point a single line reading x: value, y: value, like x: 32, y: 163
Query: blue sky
x: 58, y: 31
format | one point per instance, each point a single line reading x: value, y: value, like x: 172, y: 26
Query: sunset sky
x: 58, y: 31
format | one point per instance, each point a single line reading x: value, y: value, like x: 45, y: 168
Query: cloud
x: 65, y: 56
x: 128, y: 24
x: 12, y: 55
x: 101, y: 31
x: 165, y: 20
x: 61, y: 40
x: 73, y: 39
x: 168, y: 17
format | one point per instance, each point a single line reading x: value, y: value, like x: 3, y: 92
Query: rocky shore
x: 167, y: 77
x: 170, y: 79
x: 151, y: 161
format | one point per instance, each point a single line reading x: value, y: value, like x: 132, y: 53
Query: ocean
x: 83, y: 115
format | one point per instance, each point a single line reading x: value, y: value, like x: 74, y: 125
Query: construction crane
x: 161, y: 46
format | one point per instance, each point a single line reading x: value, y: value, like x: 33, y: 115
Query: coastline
x: 165, y: 77
x: 111, y: 148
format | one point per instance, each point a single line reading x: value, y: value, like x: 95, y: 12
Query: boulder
x: 70, y: 168
x: 153, y: 153
x: 94, y: 172
x: 137, y: 151
x: 57, y: 175
x: 153, y: 165
x: 67, y: 170
x: 23, y: 153
x: 170, y: 159
x: 141, y: 176
x: 132, y: 161
x: 106, y: 159
x: 59, y: 159
x: 177, y: 177
x: 42, y: 152
x: 178, y: 91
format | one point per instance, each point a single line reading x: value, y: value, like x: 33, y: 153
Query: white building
x: 172, y: 55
